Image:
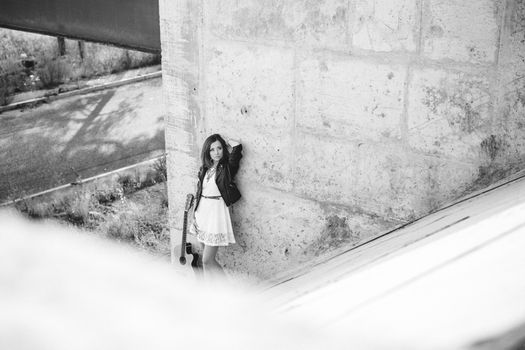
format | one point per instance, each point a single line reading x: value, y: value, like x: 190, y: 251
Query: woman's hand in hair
x: 233, y: 142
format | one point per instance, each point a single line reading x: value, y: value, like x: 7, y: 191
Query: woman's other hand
x: 233, y: 142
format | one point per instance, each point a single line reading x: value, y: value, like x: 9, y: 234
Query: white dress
x: 212, y: 224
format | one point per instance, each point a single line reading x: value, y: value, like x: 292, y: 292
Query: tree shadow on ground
x: 81, y: 138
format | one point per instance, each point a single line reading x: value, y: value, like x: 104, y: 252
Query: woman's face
x: 216, y: 151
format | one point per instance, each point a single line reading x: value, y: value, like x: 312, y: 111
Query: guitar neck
x: 183, y: 245
x: 189, y: 202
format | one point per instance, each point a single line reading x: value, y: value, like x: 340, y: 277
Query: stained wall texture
x: 356, y: 116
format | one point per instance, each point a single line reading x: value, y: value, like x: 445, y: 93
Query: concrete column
x: 180, y: 22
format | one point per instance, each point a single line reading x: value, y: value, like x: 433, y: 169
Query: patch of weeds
x: 108, y: 196
x: 160, y: 169
x: 133, y: 182
x: 12, y: 78
x: 122, y: 226
x: 123, y: 209
x: 164, y: 199
x: 104, y: 59
x: 77, y: 209
x: 72, y: 207
x: 53, y: 71
x: 140, y: 220
x: 155, y: 241
x: 130, y: 183
x: 153, y: 233
x: 35, y: 210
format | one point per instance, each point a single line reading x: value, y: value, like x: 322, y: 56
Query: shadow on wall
x: 505, y: 149
x: 336, y: 233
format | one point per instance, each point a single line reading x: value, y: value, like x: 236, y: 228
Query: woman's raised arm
x: 235, y: 156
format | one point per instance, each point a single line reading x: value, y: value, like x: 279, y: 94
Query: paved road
x: 78, y: 137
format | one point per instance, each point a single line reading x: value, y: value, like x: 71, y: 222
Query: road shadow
x: 59, y: 146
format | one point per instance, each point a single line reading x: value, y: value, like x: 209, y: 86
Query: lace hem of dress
x: 213, y: 239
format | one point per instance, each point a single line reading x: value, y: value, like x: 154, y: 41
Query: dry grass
x: 14, y: 43
x: 141, y: 218
x: 12, y: 79
x: 136, y: 214
x: 51, y: 70
x: 103, y: 59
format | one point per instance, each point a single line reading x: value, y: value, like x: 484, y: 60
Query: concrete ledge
x: 56, y: 94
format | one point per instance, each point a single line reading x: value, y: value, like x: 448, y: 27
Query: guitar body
x: 187, y: 256
x: 191, y: 258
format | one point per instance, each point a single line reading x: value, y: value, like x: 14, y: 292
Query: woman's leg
x: 210, y: 265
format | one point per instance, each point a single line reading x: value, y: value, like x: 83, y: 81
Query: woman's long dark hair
x: 207, y: 162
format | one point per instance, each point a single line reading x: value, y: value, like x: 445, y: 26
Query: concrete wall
x: 356, y: 116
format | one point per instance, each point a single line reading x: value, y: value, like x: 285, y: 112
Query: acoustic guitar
x: 187, y: 256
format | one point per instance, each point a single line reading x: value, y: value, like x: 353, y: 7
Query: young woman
x: 216, y: 191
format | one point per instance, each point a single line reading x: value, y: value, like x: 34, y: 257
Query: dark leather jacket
x: 222, y: 178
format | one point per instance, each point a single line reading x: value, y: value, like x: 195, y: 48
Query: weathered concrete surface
x: 355, y: 116
x: 461, y: 30
x: 341, y: 97
x: 449, y: 112
x: 244, y: 83
x: 374, y: 177
x: 309, y: 23
x: 509, y: 140
x: 287, y: 235
x: 385, y: 25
